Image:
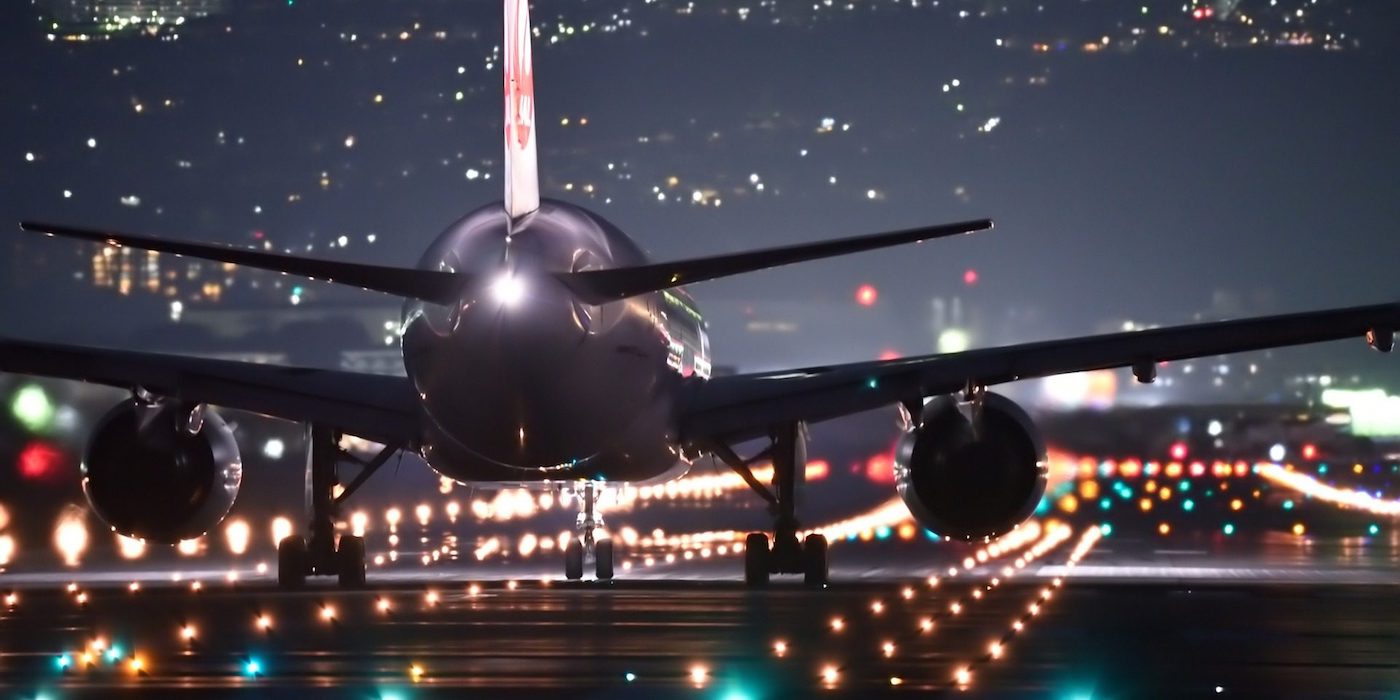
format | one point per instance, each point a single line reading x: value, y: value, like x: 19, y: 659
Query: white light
x: 508, y: 289
x: 237, y: 534
x: 1214, y: 428
x: 281, y: 529
x: 1277, y: 452
x: 274, y: 448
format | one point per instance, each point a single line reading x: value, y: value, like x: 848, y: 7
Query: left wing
x: 378, y: 408
x: 746, y: 406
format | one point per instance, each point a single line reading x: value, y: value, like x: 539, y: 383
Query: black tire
x: 573, y: 560
x: 291, y: 562
x: 603, y: 559
x: 350, y: 561
x: 815, y: 571
x: 756, y: 560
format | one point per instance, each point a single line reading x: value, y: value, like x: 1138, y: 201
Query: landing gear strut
x: 786, y: 555
x: 318, y: 553
x: 583, y: 543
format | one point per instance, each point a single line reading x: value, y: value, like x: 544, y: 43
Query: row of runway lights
x: 1054, y: 534
x: 71, y: 534
x: 996, y: 650
x: 99, y: 650
x: 1089, y: 490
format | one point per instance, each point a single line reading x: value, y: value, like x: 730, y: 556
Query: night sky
x: 1177, y: 171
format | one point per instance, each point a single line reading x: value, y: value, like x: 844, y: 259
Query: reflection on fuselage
x: 522, y: 382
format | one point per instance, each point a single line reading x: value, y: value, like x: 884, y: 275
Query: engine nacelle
x: 161, y: 472
x: 971, y: 482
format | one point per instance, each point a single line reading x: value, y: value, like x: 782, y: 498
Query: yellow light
x: 137, y: 664
x: 1298, y: 529
x: 1236, y: 504
x: 1145, y: 504
x: 896, y: 680
x: 383, y: 605
x: 328, y: 612
x: 416, y: 672
x: 1165, y: 493
x: 264, y: 622
x: 830, y: 674
x: 1164, y: 528
x: 698, y: 674
x: 187, y: 632
x: 281, y: 529
x: 780, y: 648
x: 888, y: 649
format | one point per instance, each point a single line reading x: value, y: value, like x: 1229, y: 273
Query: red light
x: 258, y: 235
x: 970, y: 277
x: 889, y: 354
x: 1309, y: 451
x: 880, y: 469
x: 1198, y: 13
x: 38, y: 461
x: 1178, y: 451
x: 866, y: 294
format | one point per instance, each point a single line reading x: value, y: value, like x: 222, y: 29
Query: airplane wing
x: 378, y: 408
x: 598, y: 286
x: 745, y: 406
x: 429, y: 285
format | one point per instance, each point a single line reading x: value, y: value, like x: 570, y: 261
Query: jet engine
x: 161, y: 471
x: 970, y: 472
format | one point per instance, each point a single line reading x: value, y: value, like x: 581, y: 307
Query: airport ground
x: 1139, y: 616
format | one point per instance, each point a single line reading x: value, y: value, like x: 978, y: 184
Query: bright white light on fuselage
x: 508, y: 289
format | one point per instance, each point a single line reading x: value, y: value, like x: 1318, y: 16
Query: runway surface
x: 1137, y: 618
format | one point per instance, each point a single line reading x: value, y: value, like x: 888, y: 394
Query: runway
x: 1027, y: 622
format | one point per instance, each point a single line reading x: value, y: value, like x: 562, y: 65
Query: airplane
x: 542, y: 348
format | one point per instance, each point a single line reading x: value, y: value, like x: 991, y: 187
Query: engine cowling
x: 161, y: 472
x: 967, y: 482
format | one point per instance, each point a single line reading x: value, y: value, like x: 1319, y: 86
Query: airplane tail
x: 522, y: 172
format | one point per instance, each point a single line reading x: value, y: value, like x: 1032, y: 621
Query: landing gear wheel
x: 573, y: 560
x: 756, y: 560
x: 603, y: 559
x: 292, y: 562
x: 350, y: 561
x: 814, y: 562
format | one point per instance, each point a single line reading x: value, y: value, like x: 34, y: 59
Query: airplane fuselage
x: 522, y: 382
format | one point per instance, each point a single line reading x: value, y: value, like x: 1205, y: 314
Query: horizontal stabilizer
x: 598, y: 286
x: 428, y: 285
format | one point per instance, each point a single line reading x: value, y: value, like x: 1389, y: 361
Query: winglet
x: 522, y: 173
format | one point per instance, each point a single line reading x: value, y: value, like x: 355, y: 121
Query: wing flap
x: 379, y: 408
x: 744, y: 406
x: 599, y: 286
x: 429, y: 285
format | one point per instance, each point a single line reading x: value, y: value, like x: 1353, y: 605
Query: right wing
x: 746, y: 406
x: 378, y: 408
x: 599, y: 286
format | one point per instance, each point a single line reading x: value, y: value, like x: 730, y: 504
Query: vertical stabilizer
x: 522, y: 174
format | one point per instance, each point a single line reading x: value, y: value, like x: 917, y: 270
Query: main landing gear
x: 786, y: 555
x: 583, y: 542
x: 318, y: 553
